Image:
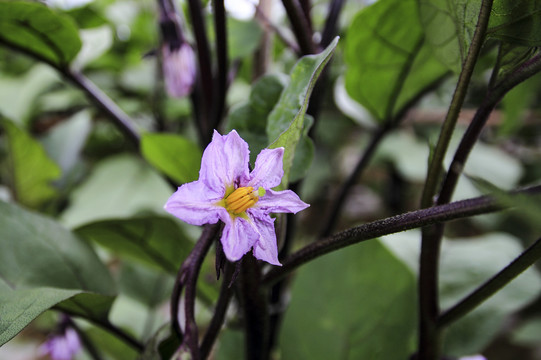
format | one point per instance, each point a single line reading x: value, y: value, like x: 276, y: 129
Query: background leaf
x: 250, y: 117
x: 364, y: 302
x: 286, y: 121
x: 29, y: 168
x: 39, y: 30
x: 154, y: 240
x: 465, y: 264
x: 388, y: 62
x: 449, y: 28
x: 516, y: 21
x: 42, y: 264
x: 174, y: 155
x: 243, y: 37
x: 119, y: 186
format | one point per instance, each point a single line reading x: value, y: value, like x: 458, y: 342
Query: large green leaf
x: 157, y: 241
x: 174, y: 155
x: 465, y: 264
x: 41, y: 265
x: 450, y: 25
x: 516, y: 21
x: 118, y: 187
x: 449, y: 28
x: 388, y: 62
x: 30, y: 169
x: 39, y: 31
x: 286, y: 121
x: 364, y: 308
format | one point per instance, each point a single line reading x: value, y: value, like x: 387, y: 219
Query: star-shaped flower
x: 242, y: 200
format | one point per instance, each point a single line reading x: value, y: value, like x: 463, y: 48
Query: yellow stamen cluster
x: 241, y: 199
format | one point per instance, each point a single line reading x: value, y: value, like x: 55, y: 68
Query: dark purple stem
x: 301, y: 27
x: 226, y: 292
x: 391, y: 225
x: 223, y: 63
x: 205, y: 101
x: 254, y: 308
x: 187, y: 280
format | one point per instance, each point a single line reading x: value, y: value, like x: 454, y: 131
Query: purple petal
x: 195, y: 204
x: 225, y: 161
x: 268, y: 169
x: 238, y: 237
x: 265, y: 248
x: 280, y: 202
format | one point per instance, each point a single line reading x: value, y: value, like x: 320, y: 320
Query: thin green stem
x: 489, y: 288
x: 459, y: 95
x: 391, y: 225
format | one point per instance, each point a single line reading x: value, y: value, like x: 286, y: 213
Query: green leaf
x: 65, y: 142
x: 39, y: 31
x: 450, y: 25
x: 365, y: 301
x: 174, y: 155
x: 449, y: 28
x: 111, y: 345
x: 243, y: 37
x: 286, y: 121
x: 19, y: 307
x: 41, y: 265
x: 388, y: 61
x: 156, y: 241
x: 516, y: 21
x: 148, y: 286
x: 30, y: 169
x: 304, y: 153
x: 161, y: 346
x: 19, y: 96
x: 466, y: 263
x: 119, y: 187
x: 250, y: 118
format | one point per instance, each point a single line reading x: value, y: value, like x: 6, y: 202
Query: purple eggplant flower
x: 63, y: 346
x: 242, y: 200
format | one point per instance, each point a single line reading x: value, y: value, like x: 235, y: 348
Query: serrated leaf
x: 41, y: 265
x: 30, y: 170
x: 286, y: 121
x: 174, y: 155
x: 156, y: 241
x: 366, y: 301
x: 39, y: 31
x: 388, y: 61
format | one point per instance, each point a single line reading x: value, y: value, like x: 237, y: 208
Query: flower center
x: 241, y: 199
